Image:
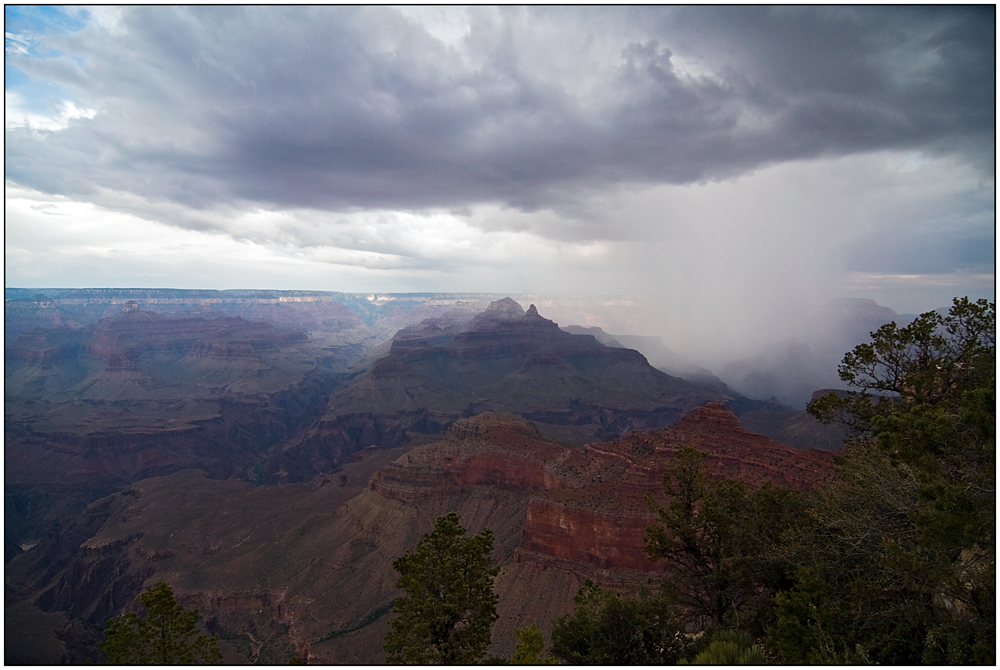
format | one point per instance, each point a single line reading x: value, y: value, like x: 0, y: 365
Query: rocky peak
x: 42, y: 300
x: 132, y: 311
x: 714, y: 414
x: 498, y: 311
x: 508, y: 317
x: 506, y: 308
x: 535, y: 319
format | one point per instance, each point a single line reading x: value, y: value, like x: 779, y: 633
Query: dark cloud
x: 930, y: 238
x: 924, y: 253
x: 344, y: 107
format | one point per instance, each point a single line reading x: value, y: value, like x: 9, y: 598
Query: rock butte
x: 590, y: 505
x: 107, y: 396
x: 260, y: 563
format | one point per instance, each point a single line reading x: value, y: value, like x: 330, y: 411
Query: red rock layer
x: 602, y: 538
x: 492, y: 449
x: 590, y: 506
x: 733, y: 451
x: 605, y: 523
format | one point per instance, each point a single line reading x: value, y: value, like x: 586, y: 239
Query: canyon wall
x: 306, y: 568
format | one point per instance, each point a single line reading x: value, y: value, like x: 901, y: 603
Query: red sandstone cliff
x: 604, y: 523
x: 588, y: 506
x: 492, y: 449
x: 262, y: 562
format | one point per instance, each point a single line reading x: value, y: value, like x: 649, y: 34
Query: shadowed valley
x: 260, y: 453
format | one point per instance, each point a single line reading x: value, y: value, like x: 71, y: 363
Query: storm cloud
x: 739, y: 158
x: 339, y: 107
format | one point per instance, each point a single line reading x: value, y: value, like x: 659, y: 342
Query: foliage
x: 935, y: 358
x: 449, y: 605
x: 900, y: 563
x: 723, y: 543
x: 857, y: 578
x: 729, y: 647
x: 892, y: 561
x: 162, y: 637
x: 530, y: 648
x: 606, y: 628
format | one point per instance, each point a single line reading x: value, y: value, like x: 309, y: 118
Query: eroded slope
x: 306, y: 569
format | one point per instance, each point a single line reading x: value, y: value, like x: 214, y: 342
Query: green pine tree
x: 900, y: 567
x: 449, y: 605
x: 723, y: 543
x: 162, y: 637
x: 609, y: 629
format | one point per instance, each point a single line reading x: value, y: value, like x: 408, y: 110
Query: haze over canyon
x: 285, y: 284
x: 262, y: 448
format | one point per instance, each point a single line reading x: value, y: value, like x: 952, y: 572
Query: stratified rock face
x: 261, y: 562
x: 153, y: 356
x: 505, y: 360
x: 589, y: 506
x: 491, y: 449
x: 36, y: 311
x: 604, y: 523
x: 324, y: 317
x: 139, y: 394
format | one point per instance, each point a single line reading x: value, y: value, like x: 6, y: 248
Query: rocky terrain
x: 305, y: 569
x: 269, y: 453
x: 348, y: 317
x: 105, y: 387
x: 92, y: 408
x: 309, y: 312
x: 506, y: 359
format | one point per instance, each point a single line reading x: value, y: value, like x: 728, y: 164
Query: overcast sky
x: 728, y: 163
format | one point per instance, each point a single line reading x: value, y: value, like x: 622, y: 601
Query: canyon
x: 269, y: 453
x: 505, y: 359
x: 305, y: 569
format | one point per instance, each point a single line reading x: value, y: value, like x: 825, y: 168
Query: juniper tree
x: 723, y: 543
x: 162, y: 637
x: 449, y: 605
x: 902, y: 561
x: 609, y: 629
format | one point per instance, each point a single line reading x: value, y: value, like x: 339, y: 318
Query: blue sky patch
x: 25, y: 27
